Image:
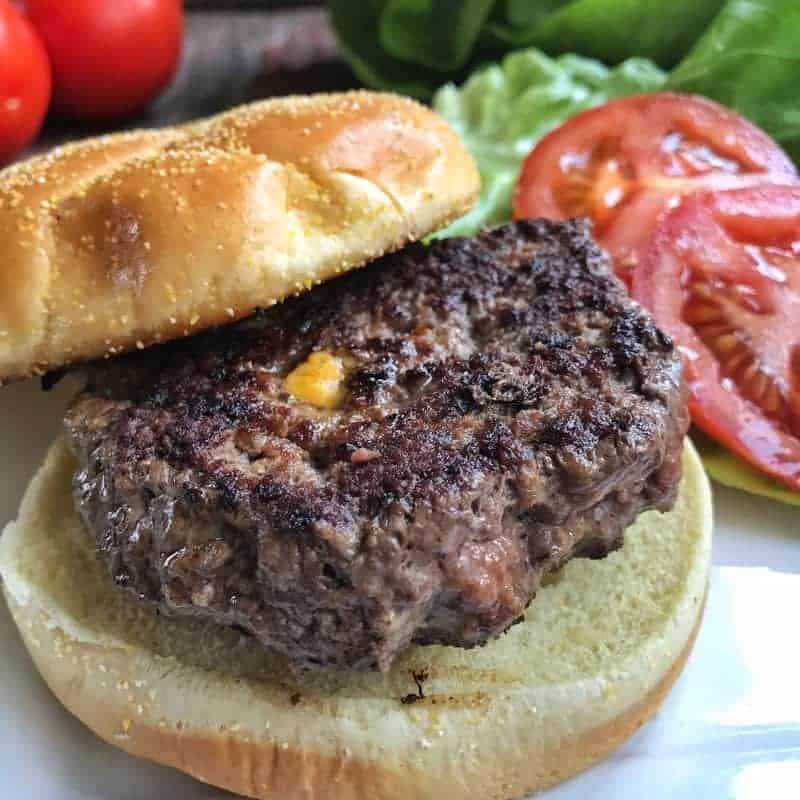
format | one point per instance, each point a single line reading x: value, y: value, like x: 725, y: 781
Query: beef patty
x: 504, y: 407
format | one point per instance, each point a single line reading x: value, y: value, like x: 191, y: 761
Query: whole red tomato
x: 109, y: 57
x: 24, y: 82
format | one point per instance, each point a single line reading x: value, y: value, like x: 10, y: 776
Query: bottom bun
x: 597, y: 651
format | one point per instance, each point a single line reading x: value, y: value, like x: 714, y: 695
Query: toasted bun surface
x: 599, y: 648
x: 121, y: 241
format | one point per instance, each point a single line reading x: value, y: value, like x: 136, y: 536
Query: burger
x: 338, y: 513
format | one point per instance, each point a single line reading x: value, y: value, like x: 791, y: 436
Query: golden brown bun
x: 117, y: 242
x: 598, y: 649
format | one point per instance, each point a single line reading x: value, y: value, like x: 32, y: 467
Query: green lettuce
x: 749, y: 59
x: 503, y: 109
x: 730, y: 471
x: 742, y: 53
x: 416, y: 45
x: 609, y: 30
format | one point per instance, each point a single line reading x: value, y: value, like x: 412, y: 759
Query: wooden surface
x: 232, y: 57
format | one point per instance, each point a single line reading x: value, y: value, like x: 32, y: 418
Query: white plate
x: 729, y: 729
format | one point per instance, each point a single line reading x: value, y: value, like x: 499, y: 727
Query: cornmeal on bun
x: 117, y: 242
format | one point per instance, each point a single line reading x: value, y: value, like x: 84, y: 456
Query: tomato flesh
x: 722, y: 276
x: 623, y: 163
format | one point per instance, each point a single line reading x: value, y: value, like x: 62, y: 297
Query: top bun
x: 117, y: 242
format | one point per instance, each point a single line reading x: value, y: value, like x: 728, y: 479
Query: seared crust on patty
x: 505, y: 407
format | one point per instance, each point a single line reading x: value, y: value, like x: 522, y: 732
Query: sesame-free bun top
x: 121, y: 241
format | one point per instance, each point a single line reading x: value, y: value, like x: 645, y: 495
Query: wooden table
x: 230, y: 57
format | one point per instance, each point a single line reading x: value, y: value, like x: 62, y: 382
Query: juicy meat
x: 506, y: 407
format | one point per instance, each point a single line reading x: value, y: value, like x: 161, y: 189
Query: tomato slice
x: 722, y: 276
x: 621, y: 164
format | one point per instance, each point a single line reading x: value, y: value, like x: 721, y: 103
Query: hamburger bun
x: 117, y: 242
x: 592, y: 660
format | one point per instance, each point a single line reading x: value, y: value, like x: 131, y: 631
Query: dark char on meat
x: 506, y: 408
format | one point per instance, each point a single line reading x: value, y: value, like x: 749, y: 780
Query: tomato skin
x: 733, y: 239
x: 24, y: 82
x: 109, y: 58
x: 624, y: 162
x: 683, y: 195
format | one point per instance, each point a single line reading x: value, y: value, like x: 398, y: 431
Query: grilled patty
x: 504, y: 407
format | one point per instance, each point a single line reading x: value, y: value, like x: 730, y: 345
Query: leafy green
x: 413, y: 46
x: 728, y: 470
x: 749, y: 59
x: 439, y: 35
x: 742, y: 53
x: 502, y: 110
x: 611, y: 30
x: 356, y: 27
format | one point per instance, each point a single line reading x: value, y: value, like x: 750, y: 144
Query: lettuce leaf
x: 413, y: 46
x: 610, y: 30
x: 503, y: 109
x: 356, y: 27
x: 728, y: 470
x: 742, y: 53
x: 749, y: 59
x: 439, y: 35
